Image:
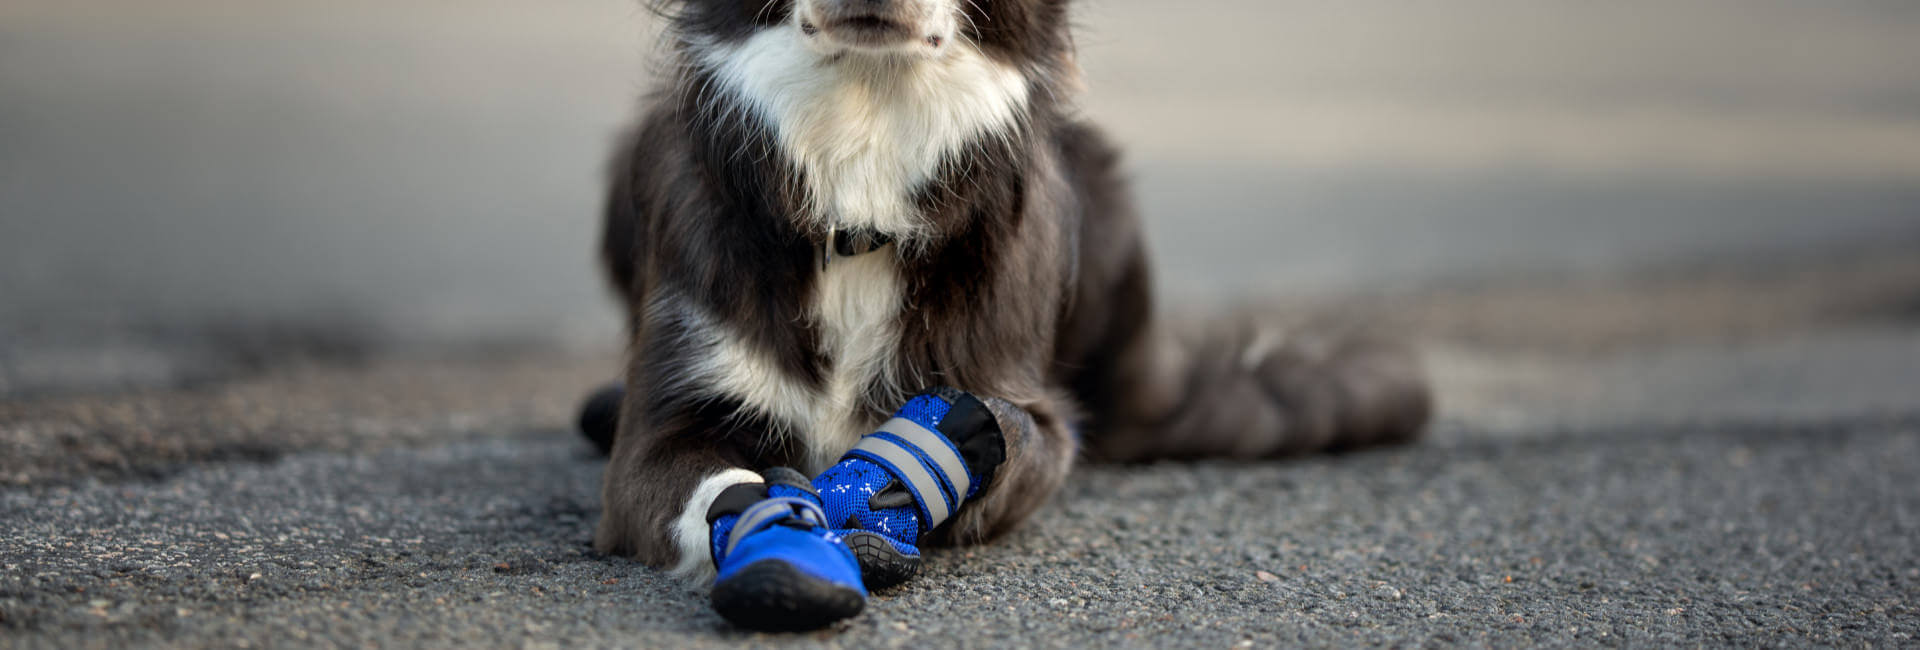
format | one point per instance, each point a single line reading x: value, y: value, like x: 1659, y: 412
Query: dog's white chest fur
x: 865, y: 134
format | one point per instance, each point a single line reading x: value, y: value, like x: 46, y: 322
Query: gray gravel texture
x: 1784, y: 535
x: 1671, y: 490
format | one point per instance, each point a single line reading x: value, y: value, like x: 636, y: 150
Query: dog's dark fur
x: 1029, y: 284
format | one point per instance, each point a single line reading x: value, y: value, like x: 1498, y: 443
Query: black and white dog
x: 834, y: 204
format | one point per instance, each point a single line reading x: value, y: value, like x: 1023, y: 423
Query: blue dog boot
x: 780, y: 568
x: 908, y: 478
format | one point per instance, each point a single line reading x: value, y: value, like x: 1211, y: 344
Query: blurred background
x: 195, y: 188
x: 297, y: 299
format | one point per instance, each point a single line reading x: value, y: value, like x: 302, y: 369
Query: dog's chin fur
x: 917, y: 35
x: 866, y: 130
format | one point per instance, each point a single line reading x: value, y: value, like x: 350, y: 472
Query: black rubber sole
x: 772, y: 596
x: 881, y: 566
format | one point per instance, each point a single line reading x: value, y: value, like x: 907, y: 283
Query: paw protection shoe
x: 780, y: 567
x: 908, y: 478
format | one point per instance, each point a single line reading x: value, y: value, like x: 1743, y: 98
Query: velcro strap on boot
x: 925, y: 462
x: 735, y: 500
x: 772, y: 511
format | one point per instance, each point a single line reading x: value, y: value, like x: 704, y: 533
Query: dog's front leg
x: 1040, y: 451
x: 677, y: 494
x: 951, y: 466
x: 659, y: 485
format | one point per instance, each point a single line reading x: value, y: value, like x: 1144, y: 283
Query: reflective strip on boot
x: 909, y: 451
x: 769, y: 511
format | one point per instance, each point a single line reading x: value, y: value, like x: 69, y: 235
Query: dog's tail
x: 1254, y: 391
x: 600, y: 416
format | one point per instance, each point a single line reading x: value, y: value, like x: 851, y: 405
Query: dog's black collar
x: 851, y: 242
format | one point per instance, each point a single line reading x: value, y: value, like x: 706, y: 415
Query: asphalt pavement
x: 1671, y: 482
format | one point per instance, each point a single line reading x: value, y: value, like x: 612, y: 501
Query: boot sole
x: 773, y: 596
x: 881, y: 565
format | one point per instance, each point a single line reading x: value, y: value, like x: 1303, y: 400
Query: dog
x: 833, y: 205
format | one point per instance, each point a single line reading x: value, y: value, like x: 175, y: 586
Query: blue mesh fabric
x: 847, y: 488
x: 722, y: 527
x: 924, y: 410
x: 777, y: 490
